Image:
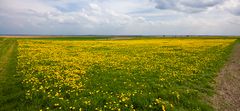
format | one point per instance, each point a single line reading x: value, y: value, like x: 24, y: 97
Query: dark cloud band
x: 187, y: 6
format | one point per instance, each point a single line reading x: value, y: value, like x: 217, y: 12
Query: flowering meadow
x: 127, y: 75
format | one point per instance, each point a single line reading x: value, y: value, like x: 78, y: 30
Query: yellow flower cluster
x: 151, y: 74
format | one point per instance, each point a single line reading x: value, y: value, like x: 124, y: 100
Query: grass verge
x: 10, y: 87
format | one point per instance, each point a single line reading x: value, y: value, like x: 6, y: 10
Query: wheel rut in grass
x: 10, y: 92
x: 4, y: 58
x: 227, y: 97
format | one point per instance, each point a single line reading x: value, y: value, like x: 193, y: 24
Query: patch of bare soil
x: 122, y: 38
x: 227, y: 97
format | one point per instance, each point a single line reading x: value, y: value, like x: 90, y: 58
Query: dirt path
x: 228, y: 84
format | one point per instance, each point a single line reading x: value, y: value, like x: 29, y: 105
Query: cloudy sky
x: 125, y: 17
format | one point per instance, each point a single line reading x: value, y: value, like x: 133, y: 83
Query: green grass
x: 11, y: 93
x: 122, y: 73
x: 238, y: 40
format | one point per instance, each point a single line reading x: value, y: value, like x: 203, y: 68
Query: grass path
x: 228, y: 84
x: 10, y: 89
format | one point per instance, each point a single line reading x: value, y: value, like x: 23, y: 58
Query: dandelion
x: 60, y: 71
x: 163, y: 108
x: 56, y: 104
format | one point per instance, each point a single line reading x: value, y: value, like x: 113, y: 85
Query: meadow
x: 139, y: 74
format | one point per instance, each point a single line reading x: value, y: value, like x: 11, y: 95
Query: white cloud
x: 120, y: 17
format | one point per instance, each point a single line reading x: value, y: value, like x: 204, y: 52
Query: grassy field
x: 139, y: 74
x: 10, y: 85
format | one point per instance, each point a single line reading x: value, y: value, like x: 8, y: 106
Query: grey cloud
x: 201, y: 4
x: 187, y: 6
x: 234, y: 10
x: 165, y: 4
x: 68, y: 8
x: 231, y: 6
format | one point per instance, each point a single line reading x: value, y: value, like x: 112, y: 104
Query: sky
x: 120, y: 17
